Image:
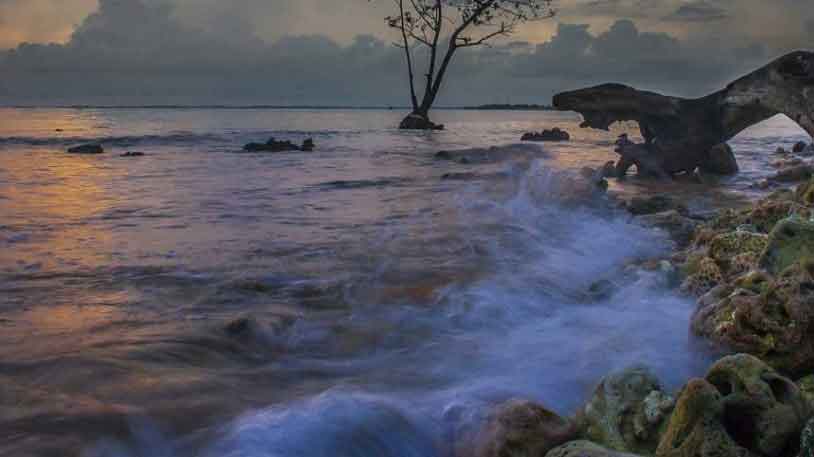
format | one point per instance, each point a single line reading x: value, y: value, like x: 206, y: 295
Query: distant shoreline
x: 489, y: 107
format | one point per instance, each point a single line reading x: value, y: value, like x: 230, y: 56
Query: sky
x: 339, y: 52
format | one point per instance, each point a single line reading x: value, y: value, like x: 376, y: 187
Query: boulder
x: 738, y: 250
x: 696, y: 428
x: 762, y: 410
x: 799, y: 147
x: 555, y: 134
x: 720, y: 161
x: 654, y: 204
x: 627, y: 411
x: 582, y: 448
x: 791, y: 241
x: 87, y: 149
x: 521, y: 428
x: 773, y: 318
x: 794, y: 173
x: 415, y: 121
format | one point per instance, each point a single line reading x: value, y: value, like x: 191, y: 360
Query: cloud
x: 147, y: 52
x: 698, y: 11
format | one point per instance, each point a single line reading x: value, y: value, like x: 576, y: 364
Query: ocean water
x: 351, y: 301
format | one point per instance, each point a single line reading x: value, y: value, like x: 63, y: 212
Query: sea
x: 363, y: 299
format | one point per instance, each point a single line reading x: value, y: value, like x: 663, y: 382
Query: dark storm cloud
x: 698, y: 11
x: 134, y: 52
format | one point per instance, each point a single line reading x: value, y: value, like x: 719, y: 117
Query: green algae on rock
x: 762, y: 410
x: 696, y: 427
x: 627, y: 411
x: 791, y: 241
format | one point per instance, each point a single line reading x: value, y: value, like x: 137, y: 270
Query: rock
x: 762, y: 411
x: 794, y: 173
x: 87, y: 149
x: 626, y: 411
x: 807, y: 440
x: 609, y: 169
x: 806, y: 386
x: 772, y: 319
x: 679, y: 132
x: 787, y: 163
x: 703, y: 274
x: 739, y: 243
x: 696, y: 427
x: 781, y: 151
x: 655, y: 204
x: 273, y: 145
x: 458, y: 176
x: 554, y: 134
x: 763, y: 216
x: 415, y: 121
x: 644, y: 157
x: 133, y: 154
x: 720, y: 161
x: 521, y: 428
x: 805, y: 193
x: 308, y: 145
x: 799, y: 147
x: 582, y: 448
x: 763, y: 184
x: 791, y: 241
x: 681, y: 229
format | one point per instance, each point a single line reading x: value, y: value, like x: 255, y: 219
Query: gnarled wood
x: 679, y: 133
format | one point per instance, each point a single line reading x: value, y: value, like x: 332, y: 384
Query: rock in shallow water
x: 720, y: 161
x: 554, y: 134
x: 87, y: 149
x: 523, y: 429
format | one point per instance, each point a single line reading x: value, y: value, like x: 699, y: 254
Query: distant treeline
x: 508, y: 107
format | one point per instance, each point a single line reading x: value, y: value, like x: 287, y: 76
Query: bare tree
x: 445, y: 26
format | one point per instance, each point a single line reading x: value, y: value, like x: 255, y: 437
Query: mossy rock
x: 791, y: 241
x: 805, y: 193
x: 702, y: 275
x: 696, y: 427
x: 583, y: 448
x: 806, y: 386
x: 755, y: 281
x: 628, y: 411
x: 739, y: 243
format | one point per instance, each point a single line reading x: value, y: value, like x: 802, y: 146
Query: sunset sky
x: 277, y: 51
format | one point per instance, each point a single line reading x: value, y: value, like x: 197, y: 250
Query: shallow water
x: 390, y: 307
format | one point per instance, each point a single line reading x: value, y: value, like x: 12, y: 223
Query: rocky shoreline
x: 752, y: 271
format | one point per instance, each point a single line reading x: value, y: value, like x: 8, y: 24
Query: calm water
x: 389, y: 307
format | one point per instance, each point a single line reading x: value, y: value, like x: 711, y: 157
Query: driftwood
x: 681, y: 134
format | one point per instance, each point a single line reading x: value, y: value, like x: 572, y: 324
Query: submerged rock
x: 273, y: 145
x: 555, y: 134
x: 680, y: 228
x: 87, y: 149
x: 523, y: 429
x: 582, y: 448
x: 627, y: 411
x: 132, y: 154
x: 655, y: 204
